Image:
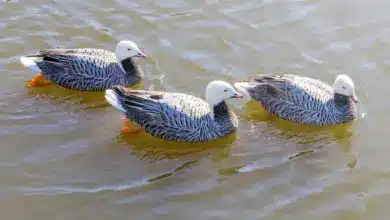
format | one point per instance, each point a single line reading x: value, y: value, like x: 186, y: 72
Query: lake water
x: 62, y: 155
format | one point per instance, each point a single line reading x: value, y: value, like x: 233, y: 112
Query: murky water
x: 62, y: 155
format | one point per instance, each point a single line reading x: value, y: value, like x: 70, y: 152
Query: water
x: 62, y: 155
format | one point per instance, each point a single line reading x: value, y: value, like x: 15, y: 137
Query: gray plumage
x: 174, y: 116
x: 86, y: 69
x: 304, y: 100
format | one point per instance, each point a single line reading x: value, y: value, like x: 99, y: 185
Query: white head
x: 218, y: 91
x: 126, y: 49
x: 344, y: 85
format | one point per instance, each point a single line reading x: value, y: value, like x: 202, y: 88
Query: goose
x: 86, y: 69
x: 177, y: 116
x: 303, y: 100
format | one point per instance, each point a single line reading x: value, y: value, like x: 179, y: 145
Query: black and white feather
x: 304, y: 100
x: 178, y: 116
x: 88, y: 69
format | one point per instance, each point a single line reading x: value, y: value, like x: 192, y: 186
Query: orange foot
x: 38, y: 80
x: 272, y: 116
x: 124, y: 119
x: 129, y: 127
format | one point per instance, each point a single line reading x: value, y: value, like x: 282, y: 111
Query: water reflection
x: 147, y: 147
x: 78, y: 99
x: 307, y: 138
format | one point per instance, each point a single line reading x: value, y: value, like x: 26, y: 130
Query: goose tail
x: 113, y: 99
x: 30, y: 62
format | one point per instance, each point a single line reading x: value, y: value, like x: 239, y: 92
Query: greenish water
x: 62, y: 155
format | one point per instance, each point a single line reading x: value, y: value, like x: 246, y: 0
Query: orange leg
x: 124, y: 119
x: 272, y: 116
x: 129, y: 127
x: 38, y: 80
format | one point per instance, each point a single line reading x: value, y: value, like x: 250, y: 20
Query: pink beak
x: 140, y: 54
x: 237, y: 96
x: 354, y: 98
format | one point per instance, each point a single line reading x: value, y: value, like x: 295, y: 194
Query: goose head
x: 343, y: 85
x: 219, y: 91
x: 127, y: 49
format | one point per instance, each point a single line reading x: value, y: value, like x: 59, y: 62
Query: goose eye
x: 343, y: 87
x: 128, y: 49
x: 225, y: 90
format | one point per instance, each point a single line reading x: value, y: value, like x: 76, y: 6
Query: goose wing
x: 79, y: 68
x: 296, y: 90
x: 156, y: 112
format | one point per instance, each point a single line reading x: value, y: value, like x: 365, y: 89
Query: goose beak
x: 140, y: 54
x: 244, y: 87
x: 355, y: 99
x: 237, y: 96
